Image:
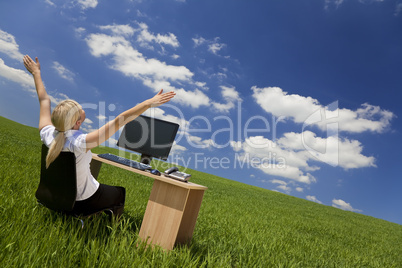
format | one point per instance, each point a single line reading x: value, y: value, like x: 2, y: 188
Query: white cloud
x: 302, y: 151
x: 9, y: 46
x: 282, y: 185
x: 339, y: 203
x: 154, y: 73
x: 273, y: 100
x: 131, y: 62
x: 199, y: 41
x: 193, y: 99
x: 18, y: 76
x: 88, y: 121
x: 175, y: 56
x: 214, y: 45
x: 273, y: 159
x: 275, y: 181
x: 101, y: 117
x: 306, y: 110
x: 26, y: 81
x: 177, y: 149
x: 284, y: 188
x: 50, y: 3
x: 79, y: 32
x: 236, y: 145
x: 230, y: 95
x: 145, y: 38
x: 63, y: 71
x: 313, y: 198
x: 120, y: 30
x: 58, y: 97
x: 223, y: 107
x: 198, y: 142
x: 288, y: 158
x: 202, y: 85
x: 140, y: 14
x: 331, y: 150
x: 86, y: 126
x: 85, y: 4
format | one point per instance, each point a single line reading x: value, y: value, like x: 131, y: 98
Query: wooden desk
x: 172, y: 208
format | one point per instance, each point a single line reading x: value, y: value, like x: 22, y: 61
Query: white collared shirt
x: 75, y: 142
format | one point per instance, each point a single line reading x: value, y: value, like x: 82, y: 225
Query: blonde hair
x: 64, y: 117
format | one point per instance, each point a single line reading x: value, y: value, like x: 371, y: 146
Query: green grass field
x: 238, y: 225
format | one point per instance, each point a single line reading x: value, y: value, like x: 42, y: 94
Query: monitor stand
x: 146, y: 159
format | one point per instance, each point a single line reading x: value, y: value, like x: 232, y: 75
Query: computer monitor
x: 148, y: 136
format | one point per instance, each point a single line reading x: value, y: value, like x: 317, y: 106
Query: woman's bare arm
x: 44, y: 100
x: 102, y: 134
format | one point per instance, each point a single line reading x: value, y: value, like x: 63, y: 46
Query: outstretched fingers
x: 26, y: 60
x: 161, y: 98
x: 167, y: 96
x: 31, y: 65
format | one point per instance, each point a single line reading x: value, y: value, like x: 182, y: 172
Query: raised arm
x: 102, y: 134
x: 44, y: 101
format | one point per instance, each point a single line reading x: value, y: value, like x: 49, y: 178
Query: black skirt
x: 106, y: 197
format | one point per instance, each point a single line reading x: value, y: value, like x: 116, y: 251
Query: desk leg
x: 170, y: 215
x: 190, y: 215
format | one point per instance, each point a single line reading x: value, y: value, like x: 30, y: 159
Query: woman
x: 60, y: 132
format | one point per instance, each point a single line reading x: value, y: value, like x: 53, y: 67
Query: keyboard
x: 125, y: 161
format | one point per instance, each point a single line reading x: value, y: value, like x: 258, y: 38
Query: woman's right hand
x: 161, y: 98
x: 32, y: 66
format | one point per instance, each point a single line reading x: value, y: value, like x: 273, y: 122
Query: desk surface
x: 187, y: 185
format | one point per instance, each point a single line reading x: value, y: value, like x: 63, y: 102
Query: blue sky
x: 300, y: 97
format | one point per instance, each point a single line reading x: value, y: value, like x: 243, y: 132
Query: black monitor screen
x: 149, y: 136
